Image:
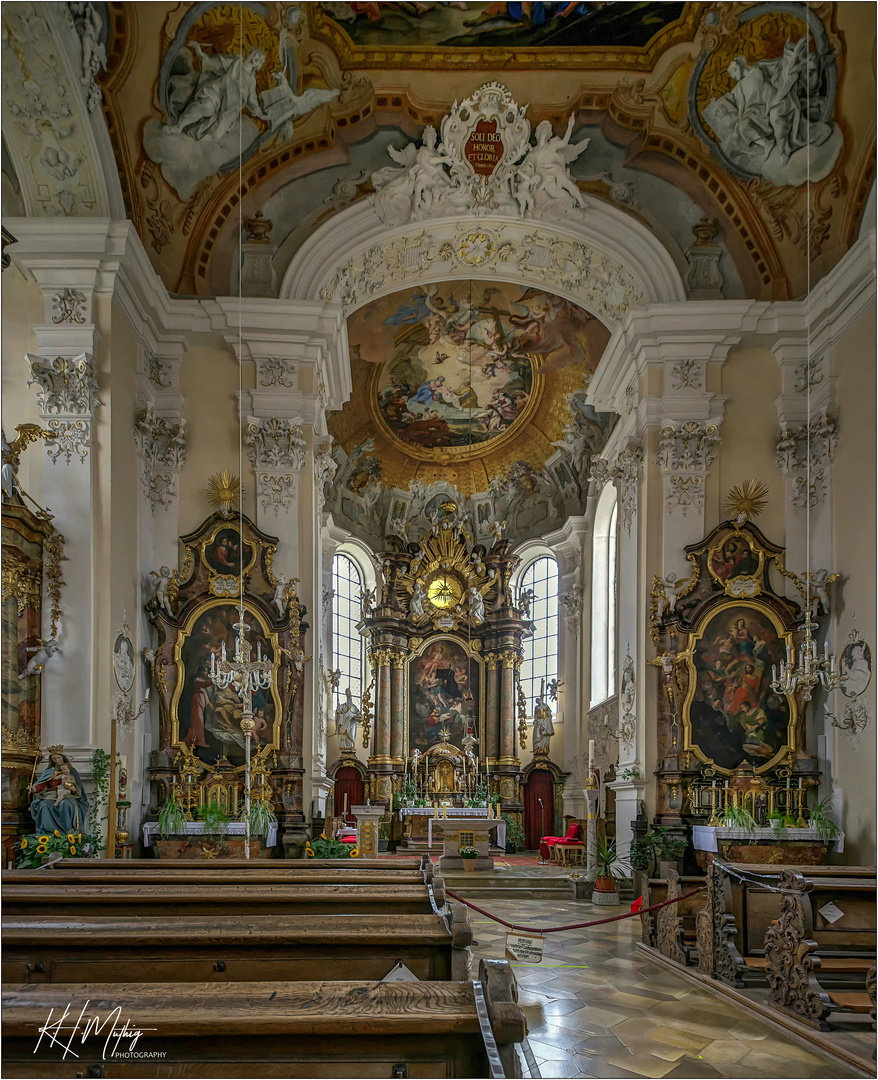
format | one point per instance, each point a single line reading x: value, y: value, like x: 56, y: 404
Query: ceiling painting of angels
x: 459, y: 364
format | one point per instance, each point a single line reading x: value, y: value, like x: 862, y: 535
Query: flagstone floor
x: 596, y: 1007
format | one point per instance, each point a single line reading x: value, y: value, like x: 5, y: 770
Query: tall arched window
x: 540, y: 661
x: 603, y: 598
x: 347, y: 644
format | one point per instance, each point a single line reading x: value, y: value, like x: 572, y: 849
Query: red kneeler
x: 547, y: 842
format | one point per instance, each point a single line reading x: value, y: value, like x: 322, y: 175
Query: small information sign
x: 525, y: 948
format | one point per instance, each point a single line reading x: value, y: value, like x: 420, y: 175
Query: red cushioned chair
x: 574, y: 832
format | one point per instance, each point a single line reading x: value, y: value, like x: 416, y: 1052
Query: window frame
x: 530, y: 683
x: 604, y: 598
x: 350, y: 616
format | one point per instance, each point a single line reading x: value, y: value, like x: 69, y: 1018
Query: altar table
x: 456, y: 811
x: 196, y: 828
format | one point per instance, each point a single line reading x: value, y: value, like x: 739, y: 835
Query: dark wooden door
x: 347, y: 782
x: 538, y: 819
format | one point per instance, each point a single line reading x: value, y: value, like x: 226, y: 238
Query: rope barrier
x: 573, y: 926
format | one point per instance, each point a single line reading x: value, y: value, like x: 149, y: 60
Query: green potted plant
x: 262, y: 817
x: 323, y: 848
x: 668, y: 847
x: 215, y: 819
x: 610, y: 866
x: 821, y: 820
x: 639, y: 855
x: 514, y: 835
x: 469, y: 856
x: 738, y: 817
x: 172, y: 818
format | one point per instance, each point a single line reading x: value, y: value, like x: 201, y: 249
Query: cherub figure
x: 525, y: 599
x: 67, y: 788
x: 280, y: 600
x: 495, y: 528
x: 42, y: 653
x: 416, y: 604
x: 165, y: 587
x: 367, y: 601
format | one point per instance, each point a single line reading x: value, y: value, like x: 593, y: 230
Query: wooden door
x: 538, y: 819
x: 347, y: 782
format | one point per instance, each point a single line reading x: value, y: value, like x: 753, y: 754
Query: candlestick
x: 591, y: 754
x: 345, y: 811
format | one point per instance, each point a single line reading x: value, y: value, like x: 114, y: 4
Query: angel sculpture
x: 165, y: 587
x: 545, y: 168
x: 476, y: 605
x: 42, y: 651
x: 525, y: 599
x: 367, y: 601
x: 667, y: 595
x: 495, y: 528
x: 416, y: 604
x: 280, y: 600
x: 418, y: 185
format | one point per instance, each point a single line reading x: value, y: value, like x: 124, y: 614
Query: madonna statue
x: 59, y: 799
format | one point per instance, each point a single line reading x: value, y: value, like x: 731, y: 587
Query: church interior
x: 438, y: 544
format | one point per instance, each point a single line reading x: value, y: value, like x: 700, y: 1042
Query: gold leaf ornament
x: 748, y: 499
x: 224, y: 492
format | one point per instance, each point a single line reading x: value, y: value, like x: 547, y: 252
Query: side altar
x: 200, y: 758
x: 444, y: 637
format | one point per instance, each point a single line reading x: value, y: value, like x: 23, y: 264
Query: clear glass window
x: 347, y: 644
x: 540, y: 661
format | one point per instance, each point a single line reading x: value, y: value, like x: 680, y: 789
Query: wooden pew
x: 216, y: 874
x: 268, y: 1029
x: 671, y: 930
x: 738, y: 914
x: 70, y: 949
x: 195, y: 898
x: 422, y: 869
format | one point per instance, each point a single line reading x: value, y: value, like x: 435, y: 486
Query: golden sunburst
x: 224, y: 492
x: 748, y: 499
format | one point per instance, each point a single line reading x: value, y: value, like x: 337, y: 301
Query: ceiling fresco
x: 685, y: 128
x: 470, y: 391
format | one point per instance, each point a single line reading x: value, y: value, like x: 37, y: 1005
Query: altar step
x: 492, y: 885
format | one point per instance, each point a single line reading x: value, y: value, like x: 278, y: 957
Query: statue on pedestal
x: 346, y: 717
x: 59, y: 799
x: 544, y: 729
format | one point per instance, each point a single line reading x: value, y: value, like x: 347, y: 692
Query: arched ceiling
x: 340, y: 82
x: 457, y: 380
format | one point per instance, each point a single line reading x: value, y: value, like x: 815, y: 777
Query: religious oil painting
x: 208, y: 719
x: 734, y: 717
x: 459, y: 364
x: 443, y: 691
x: 224, y: 554
x: 481, y: 25
x: 123, y: 663
x: 735, y: 557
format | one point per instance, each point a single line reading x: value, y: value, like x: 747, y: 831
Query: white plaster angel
x: 416, y: 604
x: 544, y: 728
x: 347, y: 715
x: 164, y: 587
x: 209, y: 101
x: 667, y: 597
x: 280, y: 600
x: 43, y: 652
x: 476, y: 605
x: 544, y: 170
x: 525, y: 599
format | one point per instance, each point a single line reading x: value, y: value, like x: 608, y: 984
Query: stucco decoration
x: 45, y: 122
x: 483, y: 164
x: 764, y: 99
x: 596, y: 280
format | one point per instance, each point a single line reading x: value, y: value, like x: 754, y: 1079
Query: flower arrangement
x: 323, y: 848
x: 468, y: 853
x: 30, y: 850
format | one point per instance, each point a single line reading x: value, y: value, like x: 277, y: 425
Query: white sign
x: 831, y: 913
x: 400, y: 973
x: 525, y: 948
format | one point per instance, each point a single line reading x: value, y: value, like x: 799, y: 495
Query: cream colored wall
x: 22, y: 307
x: 853, y: 497
x: 751, y: 381
x: 209, y: 384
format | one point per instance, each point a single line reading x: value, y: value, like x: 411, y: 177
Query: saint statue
x: 59, y: 799
x: 346, y: 717
x: 544, y: 729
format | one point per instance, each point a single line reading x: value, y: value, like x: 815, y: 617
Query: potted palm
x: 610, y: 866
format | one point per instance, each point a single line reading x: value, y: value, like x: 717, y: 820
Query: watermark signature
x: 120, y: 1039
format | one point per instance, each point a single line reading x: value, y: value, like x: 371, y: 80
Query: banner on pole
x: 525, y: 948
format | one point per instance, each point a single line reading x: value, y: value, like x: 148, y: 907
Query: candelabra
x: 810, y: 670
x: 246, y: 677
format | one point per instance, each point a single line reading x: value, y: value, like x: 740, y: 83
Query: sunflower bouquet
x: 323, y: 848
x: 32, y: 849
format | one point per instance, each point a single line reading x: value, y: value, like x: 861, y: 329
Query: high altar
x: 445, y: 647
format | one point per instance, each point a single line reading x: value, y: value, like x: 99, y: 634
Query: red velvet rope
x: 574, y: 926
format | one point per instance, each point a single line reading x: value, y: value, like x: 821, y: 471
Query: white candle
x: 591, y: 755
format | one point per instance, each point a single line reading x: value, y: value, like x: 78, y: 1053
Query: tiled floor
x: 598, y: 1008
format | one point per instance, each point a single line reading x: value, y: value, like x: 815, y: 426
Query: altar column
x: 397, y: 706
x: 382, y: 659
x: 508, y: 734
x: 492, y: 707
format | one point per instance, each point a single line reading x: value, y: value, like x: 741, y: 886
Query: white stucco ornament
x: 483, y: 164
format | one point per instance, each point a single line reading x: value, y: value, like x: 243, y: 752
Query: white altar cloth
x: 456, y: 811
x: 196, y: 828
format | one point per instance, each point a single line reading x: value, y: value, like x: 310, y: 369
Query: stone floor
x: 596, y: 1007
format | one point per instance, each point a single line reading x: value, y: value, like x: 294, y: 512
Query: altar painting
x: 732, y: 716
x: 443, y: 695
x: 206, y: 718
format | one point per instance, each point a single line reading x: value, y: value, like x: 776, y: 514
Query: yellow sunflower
x: 23, y: 843
x: 44, y: 839
x: 70, y: 838
x: 354, y: 853
x: 72, y: 849
x: 79, y: 838
x: 308, y: 849
x: 57, y: 833
x: 41, y: 849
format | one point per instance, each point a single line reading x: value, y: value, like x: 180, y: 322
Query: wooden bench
x: 217, y: 874
x: 672, y: 929
x: 211, y: 948
x: 197, y: 898
x: 268, y: 1029
x: 743, y: 903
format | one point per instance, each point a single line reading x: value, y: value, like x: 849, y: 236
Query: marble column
x: 508, y: 732
x: 382, y: 705
x: 492, y: 707
x: 397, y: 706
